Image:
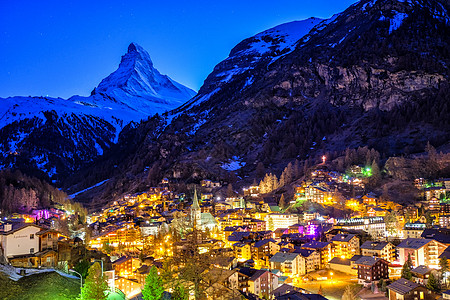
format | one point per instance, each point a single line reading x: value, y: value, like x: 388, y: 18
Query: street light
x: 81, y: 277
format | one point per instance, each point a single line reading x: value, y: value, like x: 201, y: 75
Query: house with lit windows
x: 345, y: 245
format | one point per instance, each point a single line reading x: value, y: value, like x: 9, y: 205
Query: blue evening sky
x: 63, y: 48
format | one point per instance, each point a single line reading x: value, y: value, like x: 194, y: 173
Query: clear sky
x: 62, y: 48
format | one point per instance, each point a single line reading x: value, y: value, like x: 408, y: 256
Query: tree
x: 230, y: 191
x: 283, y: 204
x: 406, y: 270
x: 382, y: 284
x: 376, y: 173
x: 153, y: 288
x: 443, y: 263
x: 349, y: 293
x: 95, y: 286
x: 391, y: 222
x: 260, y: 170
x: 432, y: 283
x: 82, y: 267
x: 179, y: 293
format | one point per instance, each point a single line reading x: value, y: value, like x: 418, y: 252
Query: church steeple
x: 196, y: 212
x: 195, y: 201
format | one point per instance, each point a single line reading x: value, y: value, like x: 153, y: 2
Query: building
x: 242, y: 251
x: 344, y: 265
x: 422, y: 273
x: 324, y: 250
x: 19, y: 239
x: 311, y: 260
x: 263, y: 249
x: 403, y: 289
x: 202, y: 221
x: 371, y: 269
x: 345, y: 245
x: 318, y: 194
x: 414, y: 230
x: 288, y: 263
x: 275, y: 221
x: 126, y: 266
x: 375, y: 227
x: 259, y: 282
x: 384, y: 250
x: 422, y: 252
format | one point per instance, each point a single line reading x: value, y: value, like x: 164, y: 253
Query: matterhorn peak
x: 137, y: 78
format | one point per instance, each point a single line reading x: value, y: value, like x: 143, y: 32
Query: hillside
x: 374, y: 75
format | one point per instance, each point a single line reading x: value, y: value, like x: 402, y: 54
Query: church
x: 199, y: 220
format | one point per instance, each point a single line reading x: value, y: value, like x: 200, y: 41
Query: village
x: 333, y: 238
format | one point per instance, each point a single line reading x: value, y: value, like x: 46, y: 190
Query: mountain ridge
x: 354, y: 80
x: 57, y: 136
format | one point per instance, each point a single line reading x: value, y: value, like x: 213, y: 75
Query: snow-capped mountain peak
x: 137, y: 77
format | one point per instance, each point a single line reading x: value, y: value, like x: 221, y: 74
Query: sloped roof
x: 281, y: 257
x: 422, y: 270
x: 374, y: 245
x: 402, y: 286
x: 342, y: 237
x: 367, y: 260
x: 340, y: 261
x: 411, y: 243
x: 316, y: 245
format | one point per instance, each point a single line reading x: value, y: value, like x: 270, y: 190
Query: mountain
x: 140, y: 86
x: 53, y: 137
x: 374, y: 75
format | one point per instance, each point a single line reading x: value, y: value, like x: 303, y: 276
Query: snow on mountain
x: 279, y: 38
x: 43, y: 130
x: 270, y: 44
x: 139, y: 85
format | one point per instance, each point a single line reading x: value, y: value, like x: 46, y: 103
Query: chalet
x: 421, y: 274
x: 371, y: 269
x: 263, y: 249
x: 345, y: 245
x: 259, y: 282
x: 125, y: 266
x: 29, y: 245
x: 407, y: 290
x: 422, y: 252
x: 369, y: 199
x: 242, y: 251
x: 324, y: 250
x: 384, y: 250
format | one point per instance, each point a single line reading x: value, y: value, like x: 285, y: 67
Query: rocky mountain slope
x: 374, y: 75
x: 53, y: 137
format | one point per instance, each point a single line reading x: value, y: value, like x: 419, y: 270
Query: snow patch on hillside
x: 234, y: 164
x: 89, y: 188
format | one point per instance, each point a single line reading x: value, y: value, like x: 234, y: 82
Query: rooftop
x: 402, y: 286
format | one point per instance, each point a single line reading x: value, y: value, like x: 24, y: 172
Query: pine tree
x: 443, y: 263
x: 260, y: 170
x: 376, y: 173
x: 382, y: 285
x: 95, y: 286
x: 349, y: 294
x: 179, y: 293
x: 320, y: 292
x: 432, y: 283
x: 230, y: 191
x: 283, y: 204
x: 406, y: 270
x: 153, y: 288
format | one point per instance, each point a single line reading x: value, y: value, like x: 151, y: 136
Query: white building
x: 275, y: 221
x: 375, y: 227
x: 19, y: 239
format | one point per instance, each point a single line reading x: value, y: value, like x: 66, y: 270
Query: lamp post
x: 81, y: 277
